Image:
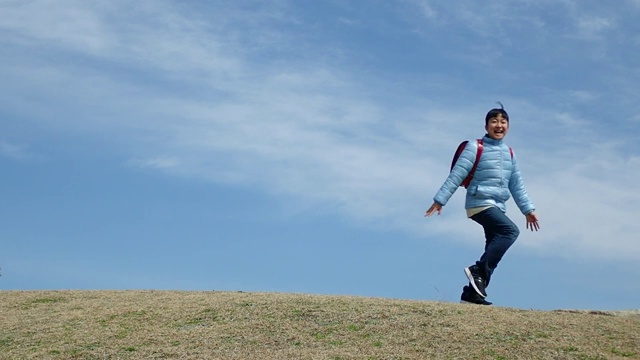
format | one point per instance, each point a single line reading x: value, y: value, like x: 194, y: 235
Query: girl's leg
x: 500, y: 233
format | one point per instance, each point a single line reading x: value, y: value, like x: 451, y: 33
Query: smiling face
x: 497, y: 127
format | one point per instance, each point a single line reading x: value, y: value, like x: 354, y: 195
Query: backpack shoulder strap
x: 467, y: 180
x: 478, y: 154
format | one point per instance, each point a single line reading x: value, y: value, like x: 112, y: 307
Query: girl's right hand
x: 435, y: 207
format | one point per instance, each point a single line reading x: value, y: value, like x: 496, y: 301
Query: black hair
x: 495, y: 112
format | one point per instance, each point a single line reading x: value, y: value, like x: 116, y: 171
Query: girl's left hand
x: 532, y: 221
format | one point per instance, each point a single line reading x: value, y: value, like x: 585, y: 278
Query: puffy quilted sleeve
x: 459, y: 172
x: 518, y: 191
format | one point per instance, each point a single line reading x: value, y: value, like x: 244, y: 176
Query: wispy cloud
x: 590, y: 27
x: 157, y: 163
x: 232, y: 99
x: 14, y: 151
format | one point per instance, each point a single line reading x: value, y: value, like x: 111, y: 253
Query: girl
x: 497, y: 177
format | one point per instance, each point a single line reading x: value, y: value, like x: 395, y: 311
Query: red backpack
x: 459, y: 150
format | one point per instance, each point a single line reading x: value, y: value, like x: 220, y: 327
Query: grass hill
x: 237, y: 325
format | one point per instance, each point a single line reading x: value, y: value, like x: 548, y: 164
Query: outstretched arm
x: 458, y: 173
x: 517, y: 189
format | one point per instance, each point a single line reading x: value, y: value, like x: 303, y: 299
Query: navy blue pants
x: 500, y: 233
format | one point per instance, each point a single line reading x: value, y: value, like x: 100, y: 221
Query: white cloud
x: 427, y: 10
x: 14, y: 151
x: 68, y: 24
x: 593, y: 27
x: 583, y: 95
x: 592, y: 216
x: 162, y: 163
x: 211, y: 100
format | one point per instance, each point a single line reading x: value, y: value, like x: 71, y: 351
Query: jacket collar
x: 487, y: 140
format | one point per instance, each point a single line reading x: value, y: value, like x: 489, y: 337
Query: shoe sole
x: 467, y: 272
x: 472, y: 303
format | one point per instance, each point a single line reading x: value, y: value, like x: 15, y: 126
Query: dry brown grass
x: 234, y: 325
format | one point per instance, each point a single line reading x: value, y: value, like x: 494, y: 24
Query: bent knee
x: 514, y: 231
x: 511, y: 230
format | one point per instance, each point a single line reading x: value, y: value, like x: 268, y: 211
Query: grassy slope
x: 234, y: 325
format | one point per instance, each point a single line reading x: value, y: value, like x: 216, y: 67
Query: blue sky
x: 293, y: 146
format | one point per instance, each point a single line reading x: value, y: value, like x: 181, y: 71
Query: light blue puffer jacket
x: 497, y: 177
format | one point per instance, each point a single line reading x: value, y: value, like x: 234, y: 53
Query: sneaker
x: 469, y: 296
x: 476, y: 280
